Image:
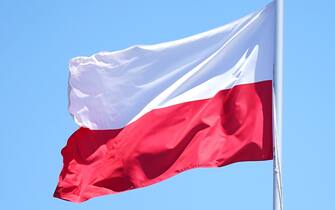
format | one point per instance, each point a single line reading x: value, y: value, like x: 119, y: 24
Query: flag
x: 149, y: 112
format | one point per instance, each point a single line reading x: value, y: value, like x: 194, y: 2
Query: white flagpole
x: 278, y: 107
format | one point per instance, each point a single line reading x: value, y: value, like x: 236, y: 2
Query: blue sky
x: 37, y: 39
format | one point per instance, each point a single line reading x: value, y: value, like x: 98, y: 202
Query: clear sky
x: 37, y: 39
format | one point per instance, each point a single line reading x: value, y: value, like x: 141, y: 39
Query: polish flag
x: 149, y: 112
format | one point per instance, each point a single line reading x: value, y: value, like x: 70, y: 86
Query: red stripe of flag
x: 235, y: 125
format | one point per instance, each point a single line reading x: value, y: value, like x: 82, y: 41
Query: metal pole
x: 278, y: 107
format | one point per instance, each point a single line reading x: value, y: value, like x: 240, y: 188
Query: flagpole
x: 278, y: 107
